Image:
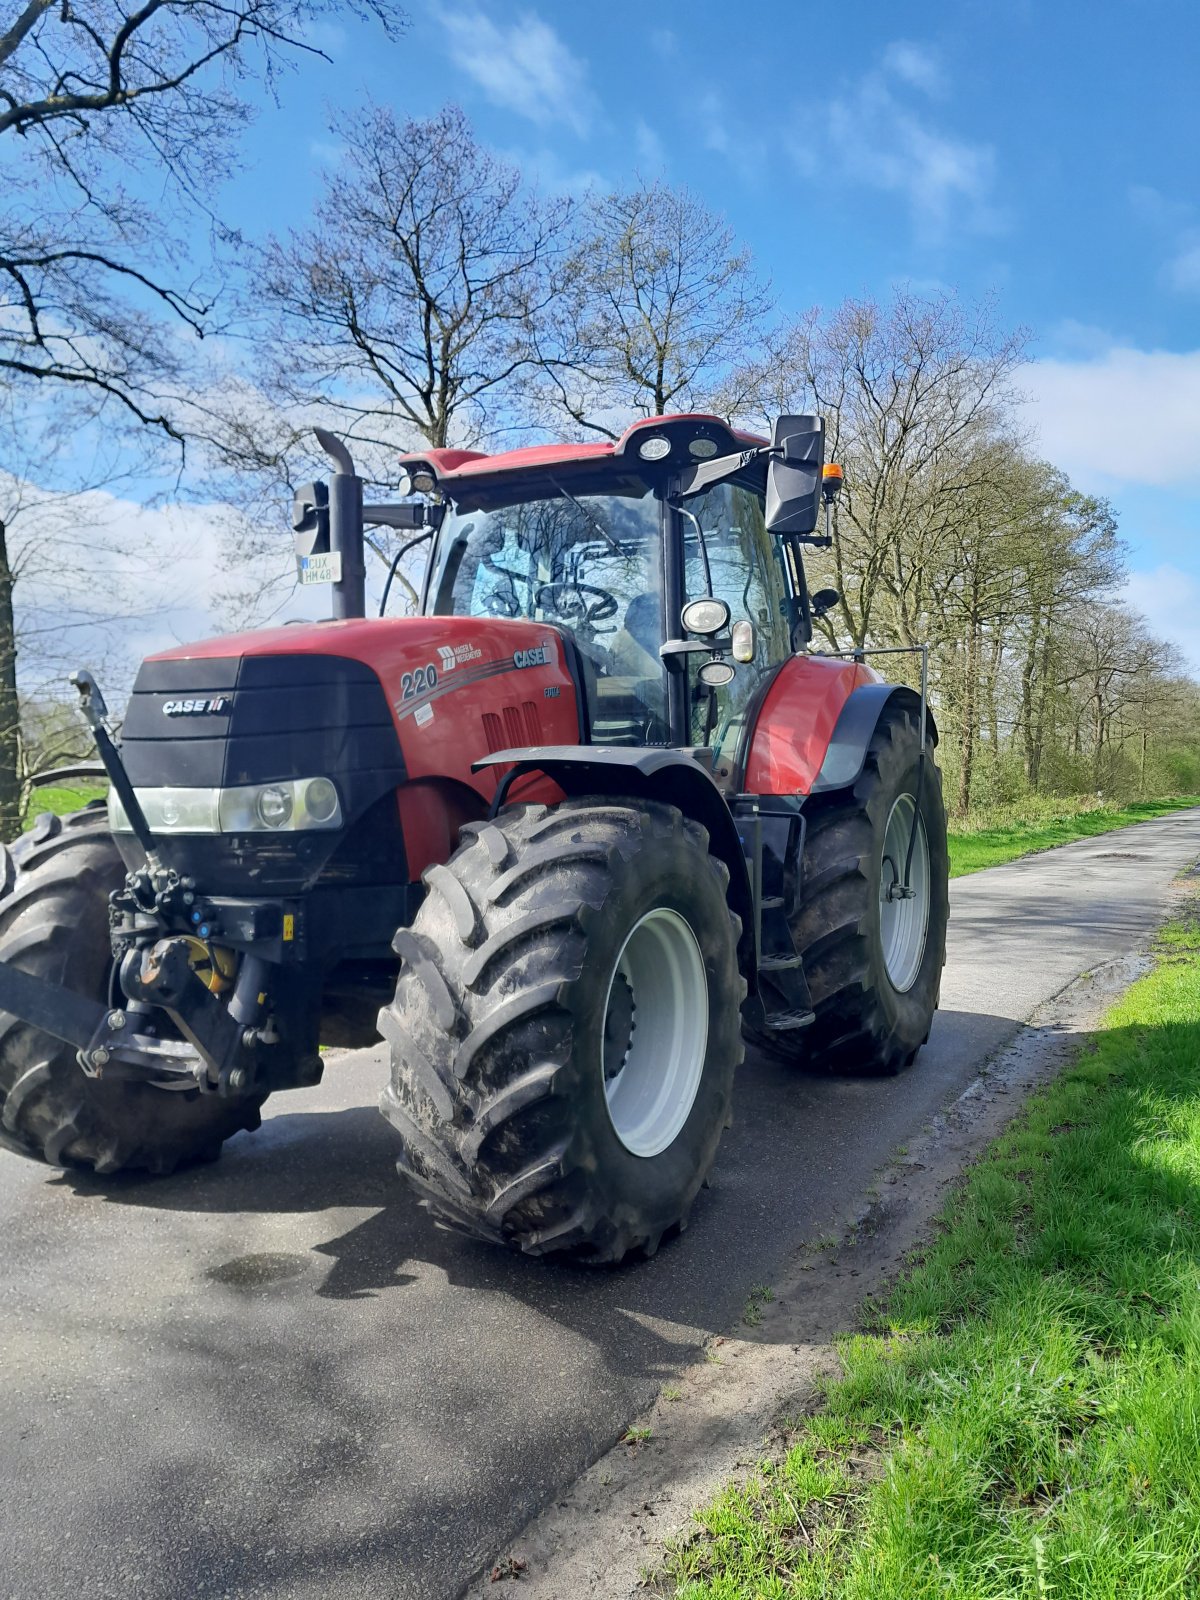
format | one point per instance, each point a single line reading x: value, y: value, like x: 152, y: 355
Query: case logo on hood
x: 541, y: 655
x: 197, y: 708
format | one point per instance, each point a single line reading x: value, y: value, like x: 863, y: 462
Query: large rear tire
x: 873, y: 962
x: 565, y: 1029
x: 54, y: 924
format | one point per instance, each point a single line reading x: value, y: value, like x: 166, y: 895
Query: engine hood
x: 445, y: 690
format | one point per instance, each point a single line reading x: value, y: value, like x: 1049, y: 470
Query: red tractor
x: 561, y: 838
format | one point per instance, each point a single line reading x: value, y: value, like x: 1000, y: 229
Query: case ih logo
x: 542, y: 655
x: 197, y: 708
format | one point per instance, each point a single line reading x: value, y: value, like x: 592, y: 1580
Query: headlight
x: 273, y: 805
x: 283, y: 807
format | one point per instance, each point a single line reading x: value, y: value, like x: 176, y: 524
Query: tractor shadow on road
x: 801, y: 1151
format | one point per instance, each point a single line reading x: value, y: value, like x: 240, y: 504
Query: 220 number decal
x: 414, y: 683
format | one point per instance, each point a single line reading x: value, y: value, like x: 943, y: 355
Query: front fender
x: 671, y: 776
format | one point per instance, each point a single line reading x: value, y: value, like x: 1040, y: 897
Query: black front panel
x: 217, y: 723
x: 224, y: 722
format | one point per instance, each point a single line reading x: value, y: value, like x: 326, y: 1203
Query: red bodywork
x: 458, y: 692
x: 796, y: 722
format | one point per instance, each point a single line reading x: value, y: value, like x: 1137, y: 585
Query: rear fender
x: 671, y: 776
x: 814, y: 724
x: 855, y: 727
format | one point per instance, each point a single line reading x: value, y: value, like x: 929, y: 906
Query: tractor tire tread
x: 497, y: 1162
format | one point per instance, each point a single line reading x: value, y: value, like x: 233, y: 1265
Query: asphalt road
x: 274, y: 1376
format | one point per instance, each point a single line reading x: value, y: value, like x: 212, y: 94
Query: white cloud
x: 914, y: 64
x: 1175, y: 223
x: 1183, y: 271
x: 652, y: 155
x: 554, y: 175
x: 104, y: 581
x: 1170, y: 601
x: 523, y: 66
x: 1124, y: 416
x: 725, y: 134
x: 878, y: 140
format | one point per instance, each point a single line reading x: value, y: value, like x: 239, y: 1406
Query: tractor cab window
x: 589, y: 564
x: 749, y: 574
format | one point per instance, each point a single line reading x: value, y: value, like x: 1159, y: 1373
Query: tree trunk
x: 10, y: 711
x: 967, y: 734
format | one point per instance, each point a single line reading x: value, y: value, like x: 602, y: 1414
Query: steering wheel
x: 502, y: 604
x: 567, y: 600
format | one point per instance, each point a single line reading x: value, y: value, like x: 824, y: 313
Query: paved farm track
x: 274, y: 1377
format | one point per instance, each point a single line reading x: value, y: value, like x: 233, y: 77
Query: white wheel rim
x: 655, y: 1032
x: 903, y: 923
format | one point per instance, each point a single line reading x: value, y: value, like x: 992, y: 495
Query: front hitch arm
x: 217, y: 1054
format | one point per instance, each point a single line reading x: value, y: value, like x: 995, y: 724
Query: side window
x: 748, y: 573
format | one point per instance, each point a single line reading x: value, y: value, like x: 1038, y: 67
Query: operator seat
x: 630, y: 700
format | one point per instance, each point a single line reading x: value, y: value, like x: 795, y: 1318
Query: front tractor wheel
x: 565, y: 1029
x: 54, y: 887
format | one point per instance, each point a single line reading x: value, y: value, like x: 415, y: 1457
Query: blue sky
x: 1044, y: 154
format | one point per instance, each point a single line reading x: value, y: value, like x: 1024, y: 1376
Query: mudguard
x: 855, y: 725
x: 814, y: 725
x: 675, y: 777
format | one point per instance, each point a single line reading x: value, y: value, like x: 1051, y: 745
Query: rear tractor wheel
x: 873, y: 957
x: 54, y: 887
x: 565, y: 1028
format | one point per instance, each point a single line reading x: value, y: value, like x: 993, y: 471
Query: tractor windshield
x: 590, y: 564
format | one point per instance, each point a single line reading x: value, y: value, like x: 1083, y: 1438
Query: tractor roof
x: 689, y: 438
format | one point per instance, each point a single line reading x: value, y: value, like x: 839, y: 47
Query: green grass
x: 62, y: 799
x: 1014, y: 832
x: 1023, y: 1417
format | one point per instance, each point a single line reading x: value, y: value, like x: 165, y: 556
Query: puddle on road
x: 256, y: 1271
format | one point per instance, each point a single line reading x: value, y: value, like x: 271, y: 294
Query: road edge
x: 605, y: 1535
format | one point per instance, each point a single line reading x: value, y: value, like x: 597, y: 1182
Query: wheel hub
x: 655, y: 1032
x: 618, y: 1026
x: 904, y: 907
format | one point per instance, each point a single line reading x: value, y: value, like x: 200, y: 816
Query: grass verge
x: 1023, y: 1417
x: 1008, y: 835
x: 62, y: 798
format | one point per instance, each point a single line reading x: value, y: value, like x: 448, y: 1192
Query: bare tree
x: 92, y: 96
x: 404, y: 308
x: 660, y: 305
x: 911, y: 392
x: 116, y: 124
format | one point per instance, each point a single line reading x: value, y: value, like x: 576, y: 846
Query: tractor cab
x: 674, y: 596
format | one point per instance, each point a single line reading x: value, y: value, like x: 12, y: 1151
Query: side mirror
x: 310, y: 519
x: 824, y: 600
x: 794, y: 474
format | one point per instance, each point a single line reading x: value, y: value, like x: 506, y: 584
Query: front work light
x: 654, y: 448
x: 715, y: 674
x: 705, y: 616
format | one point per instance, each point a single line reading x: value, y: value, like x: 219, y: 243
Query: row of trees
x: 436, y: 297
